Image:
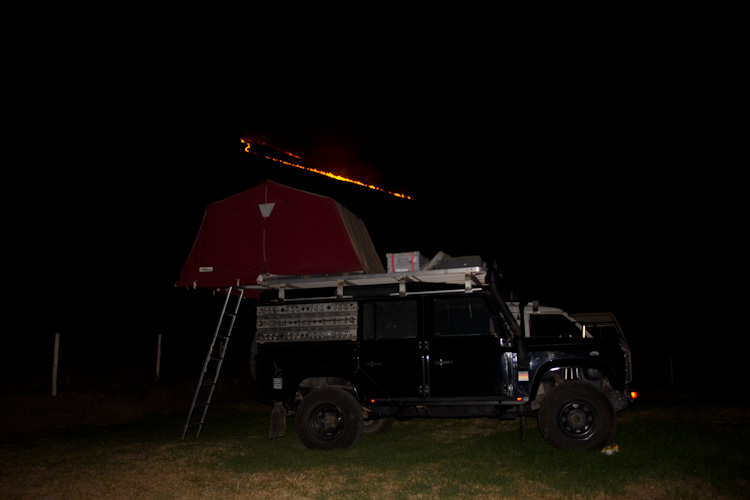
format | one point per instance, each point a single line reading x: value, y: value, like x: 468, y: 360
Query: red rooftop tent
x: 276, y: 229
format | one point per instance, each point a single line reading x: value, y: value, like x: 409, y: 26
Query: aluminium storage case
x: 405, y: 262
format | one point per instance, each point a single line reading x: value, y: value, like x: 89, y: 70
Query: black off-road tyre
x: 377, y: 425
x: 329, y: 418
x: 577, y: 415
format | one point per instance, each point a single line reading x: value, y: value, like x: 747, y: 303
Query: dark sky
x: 591, y: 176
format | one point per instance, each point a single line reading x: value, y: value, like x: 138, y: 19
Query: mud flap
x: 278, y: 421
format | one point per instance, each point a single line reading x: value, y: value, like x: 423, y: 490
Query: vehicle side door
x: 467, y: 354
x: 391, y: 354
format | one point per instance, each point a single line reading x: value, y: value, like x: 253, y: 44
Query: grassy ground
x: 664, y: 452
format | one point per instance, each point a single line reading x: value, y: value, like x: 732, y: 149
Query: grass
x: 665, y: 452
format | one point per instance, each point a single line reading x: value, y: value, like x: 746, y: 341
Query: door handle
x: 443, y: 362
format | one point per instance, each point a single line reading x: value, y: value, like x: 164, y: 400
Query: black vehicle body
x: 431, y: 350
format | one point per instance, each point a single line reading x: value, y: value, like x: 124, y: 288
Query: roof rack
x: 469, y: 277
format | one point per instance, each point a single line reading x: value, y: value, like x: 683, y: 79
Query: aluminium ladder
x: 205, y: 390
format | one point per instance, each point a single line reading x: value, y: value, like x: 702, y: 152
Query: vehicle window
x: 390, y: 320
x: 462, y: 316
x: 603, y: 331
x: 553, y: 325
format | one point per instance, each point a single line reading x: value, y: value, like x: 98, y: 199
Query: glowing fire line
x: 337, y: 177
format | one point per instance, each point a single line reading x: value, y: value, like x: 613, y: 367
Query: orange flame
x: 248, y: 149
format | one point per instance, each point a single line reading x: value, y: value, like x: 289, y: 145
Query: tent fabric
x: 276, y: 229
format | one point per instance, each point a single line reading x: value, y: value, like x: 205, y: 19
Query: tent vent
x: 265, y: 209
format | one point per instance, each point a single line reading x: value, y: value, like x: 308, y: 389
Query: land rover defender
x: 348, y: 355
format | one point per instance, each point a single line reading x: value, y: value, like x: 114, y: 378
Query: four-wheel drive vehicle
x: 373, y: 348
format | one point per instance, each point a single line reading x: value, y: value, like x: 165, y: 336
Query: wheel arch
x: 309, y: 384
x: 554, y: 372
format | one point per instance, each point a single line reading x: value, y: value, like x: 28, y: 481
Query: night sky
x: 594, y: 184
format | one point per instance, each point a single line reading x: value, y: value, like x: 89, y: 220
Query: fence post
x: 158, y: 356
x: 55, y: 364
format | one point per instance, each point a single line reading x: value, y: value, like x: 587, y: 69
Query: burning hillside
x: 271, y: 153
